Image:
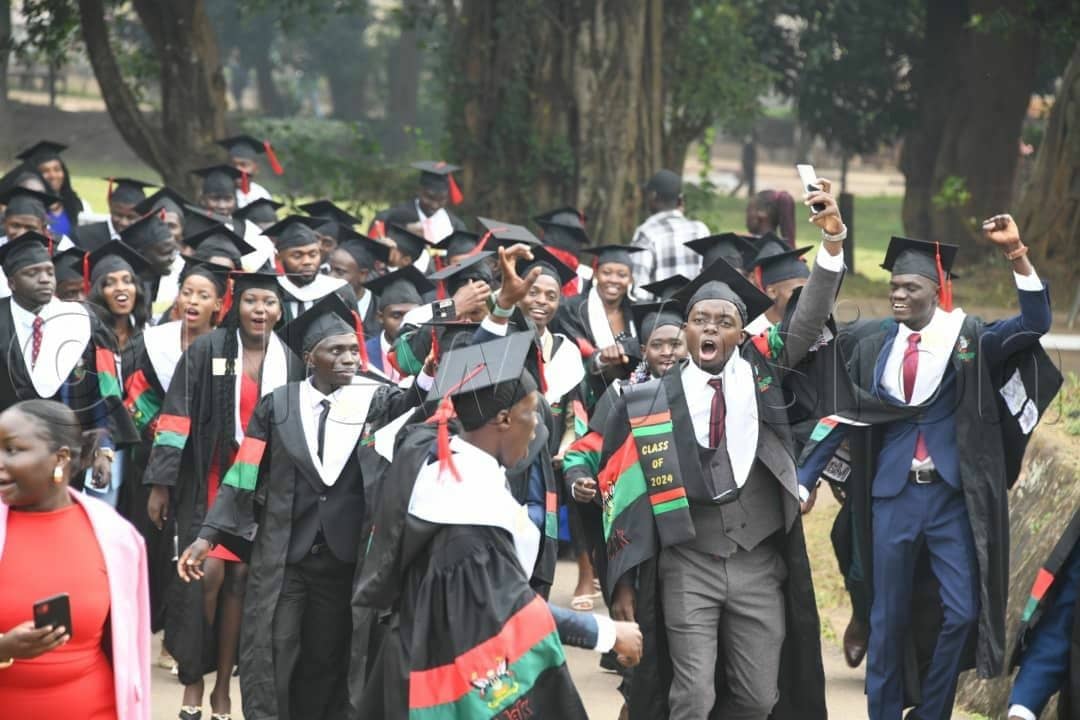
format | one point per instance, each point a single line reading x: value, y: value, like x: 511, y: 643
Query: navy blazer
x: 374, y: 352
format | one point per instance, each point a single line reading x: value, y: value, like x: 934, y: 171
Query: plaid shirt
x: 662, y: 236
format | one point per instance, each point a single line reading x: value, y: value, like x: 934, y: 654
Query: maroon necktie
x: 911, y: 368
x: 35, y: 348
x: 718, y: 413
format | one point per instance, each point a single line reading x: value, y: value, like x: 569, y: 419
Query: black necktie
x: 322, y: 426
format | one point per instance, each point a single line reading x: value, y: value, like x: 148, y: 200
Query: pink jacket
x: 129, y: 593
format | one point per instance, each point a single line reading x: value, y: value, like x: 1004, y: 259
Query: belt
x: 924, y: 477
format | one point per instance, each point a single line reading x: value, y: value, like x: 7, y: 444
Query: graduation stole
x: 141, y: 401
x: 647, y: 463
x: 105, y: 365
x: 243, y: 474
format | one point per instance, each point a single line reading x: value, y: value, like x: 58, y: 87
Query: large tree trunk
x: 5, y: 54
x: 404, y: 76
x: 556, y: 103
x: 973, y: 87
x: 270, y: 100
x: 1049, y: 209
x: 192, y: 86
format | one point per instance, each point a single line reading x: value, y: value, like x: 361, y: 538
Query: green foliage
x: 1070, y: 403
x: 51, y: 31
x: 953, y: 194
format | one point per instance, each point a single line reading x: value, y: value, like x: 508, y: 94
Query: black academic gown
x: 197, y: 415
x: 405, y: 214
x: 372, y: 326
x: 94, y: 235
x: 256, y: 522
x: 572, y: 320
x: 445, y: 590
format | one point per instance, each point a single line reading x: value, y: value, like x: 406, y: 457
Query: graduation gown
x: 406, y: 214
x: 94, y: 235
x: 298, y: 298
x: 370, y: 319
x: 457, y: 600
x: 254, y: 511
x: 572, y: 320
x: 196, y: 424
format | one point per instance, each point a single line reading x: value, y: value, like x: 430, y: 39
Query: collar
x: 384, y: 344
x: 941, y: 330
x: 22, y: 316
x: 694, y: 374
x: 315, y: 396
x: 547, y: 342
x: 419, y: 213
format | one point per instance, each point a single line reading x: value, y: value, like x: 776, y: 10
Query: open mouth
x: 7, y: 487
x: 538, y: 313
x: 709, y: 350
x: 900, y: 307
x: 191, y: 313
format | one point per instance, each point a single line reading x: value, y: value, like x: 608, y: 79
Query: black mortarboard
x: 779, y: 266
x: 734, y: 248
x: 666, y: 288
x: 30, y: 248
x: 328, y: 317
x: 114, y: 256
x: 22, y: 201
x: 471, y: 374
x: 197, y: 219
x: 165, y: 199
x: 468, y: 268
x: 243, y: 281
x: 18, y: 177
x: 649, y: 316
x: 217, y: 274
x: 721, y: 281
x: 42, y: 151
x: 666, y: 184
x: 548, y: 264
x: 68, y: 264
x: 769, y: 243
x: 906, y: 256
x: 243, y: 146
x: 506, y: 234
x: 146, y: 232
x: 260, y: 211
x: 126, y: 190
x: 459, y: 242
x: 219, y: 180
x: 613, y: 254
x: 363, y: 249
x: 408, y: 243
x: 217, y: 237
x: 452, y: 334
x: 435, y: 175
x: 564, y: 229
x: 404, y: 286
x: 293, y: 231
x: 324, y: 209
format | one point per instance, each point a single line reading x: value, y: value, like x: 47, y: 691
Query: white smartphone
x: 808, y: 177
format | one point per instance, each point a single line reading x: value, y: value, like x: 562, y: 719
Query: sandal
x: 190, y: 712
x: 582, y: 603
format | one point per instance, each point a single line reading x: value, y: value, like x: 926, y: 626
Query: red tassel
x: 391, y: 357
x: 358, y: 323
x: 570, y: 289
x: 245, y: 182
x: 108, y: 195
x: 226, y: 302
x: 86, y: 274
x: 483, y: 242
x: 48, y: 236
x: 944, y: 282
x: 378, y: 230
x: 440, y: 286
x: 456, y: 198
x: 271, y: 156
x: 434, y: 344
x: 161, y: 214
x: 279, y: 268
x: 540, y: 367
x: 442, y: 416
x: 759, y: 278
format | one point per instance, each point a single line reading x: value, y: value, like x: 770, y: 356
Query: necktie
x: 38, y: 334
x: 911, y: 369
x: 322, y: 426
x: 718, y: 413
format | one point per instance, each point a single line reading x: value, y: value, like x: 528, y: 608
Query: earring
x: 58, y: 474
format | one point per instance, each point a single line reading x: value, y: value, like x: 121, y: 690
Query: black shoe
x: 188, y: 715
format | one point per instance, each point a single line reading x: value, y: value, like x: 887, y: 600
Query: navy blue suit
x: 374, y: 352
x: 1046, y: 660
x: 908, y: 517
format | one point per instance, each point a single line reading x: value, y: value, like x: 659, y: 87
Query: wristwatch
x: 107, y: 453
x: 497, y: 310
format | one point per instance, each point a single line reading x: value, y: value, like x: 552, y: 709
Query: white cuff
x: 424, y: 381
x: 605, y: 633
x: 1021, y: 712
x: 804, y: 494
x: 832, y: 263
x: 1030, y: 282
x: 493, y: 327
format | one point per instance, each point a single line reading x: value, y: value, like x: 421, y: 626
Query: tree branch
x: 146, y: 140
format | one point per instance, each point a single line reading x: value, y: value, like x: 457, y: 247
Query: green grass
x: 1070, y: 403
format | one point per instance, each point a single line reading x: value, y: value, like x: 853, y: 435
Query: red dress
x: 249, y: 398
x: 45, y: 554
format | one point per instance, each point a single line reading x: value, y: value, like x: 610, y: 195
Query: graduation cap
x: 247, y: 147
x: 293, y: 231
x: 69, y: 264
x: 261, y: 211
x: 111, y: 257
x: 564, y: 229
x: 506, y: 234
x: 404, y: 286
x: 548, y: 264
x: 146, y: 232
x: 126, y: 190
x: 721, y: 281
x: 165, y: 199
x: 23, y: 201
x: 734, y: 248
x: 30, y: 248
x: 771, y: 267
x: 18, y: 177
x: 666, y: 288
x: 42, y: 151
x: 468, y: 268
x: 328, y: 317
x: 197, y: 219
x: 649, y: 316
x: 363, y: 249
x: 438, y: 176
x: 220, y: 180
x: 459, y: 242
x: 215, y: 273
x: 240, y: 282
x: 407, y: 242
x: 219, y: 241
x: 603, y: 254
x: 329, y: 211
x: 931, y: 260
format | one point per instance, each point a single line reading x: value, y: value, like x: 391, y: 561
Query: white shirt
x: 343, y: 428
x: 5, y: 289
x: 64, y: 336
x: 699, y: 396
x: 168, y: 289
x: 255, y: 192
x: 363, y: 303
x: 388, y: 368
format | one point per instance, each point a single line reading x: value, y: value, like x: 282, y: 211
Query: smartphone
x: 808, y: 176
x: 55, y: 611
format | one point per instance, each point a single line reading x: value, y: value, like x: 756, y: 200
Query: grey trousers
x: 738, y: 599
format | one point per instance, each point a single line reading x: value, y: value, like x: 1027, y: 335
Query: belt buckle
x: 920, y: 474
